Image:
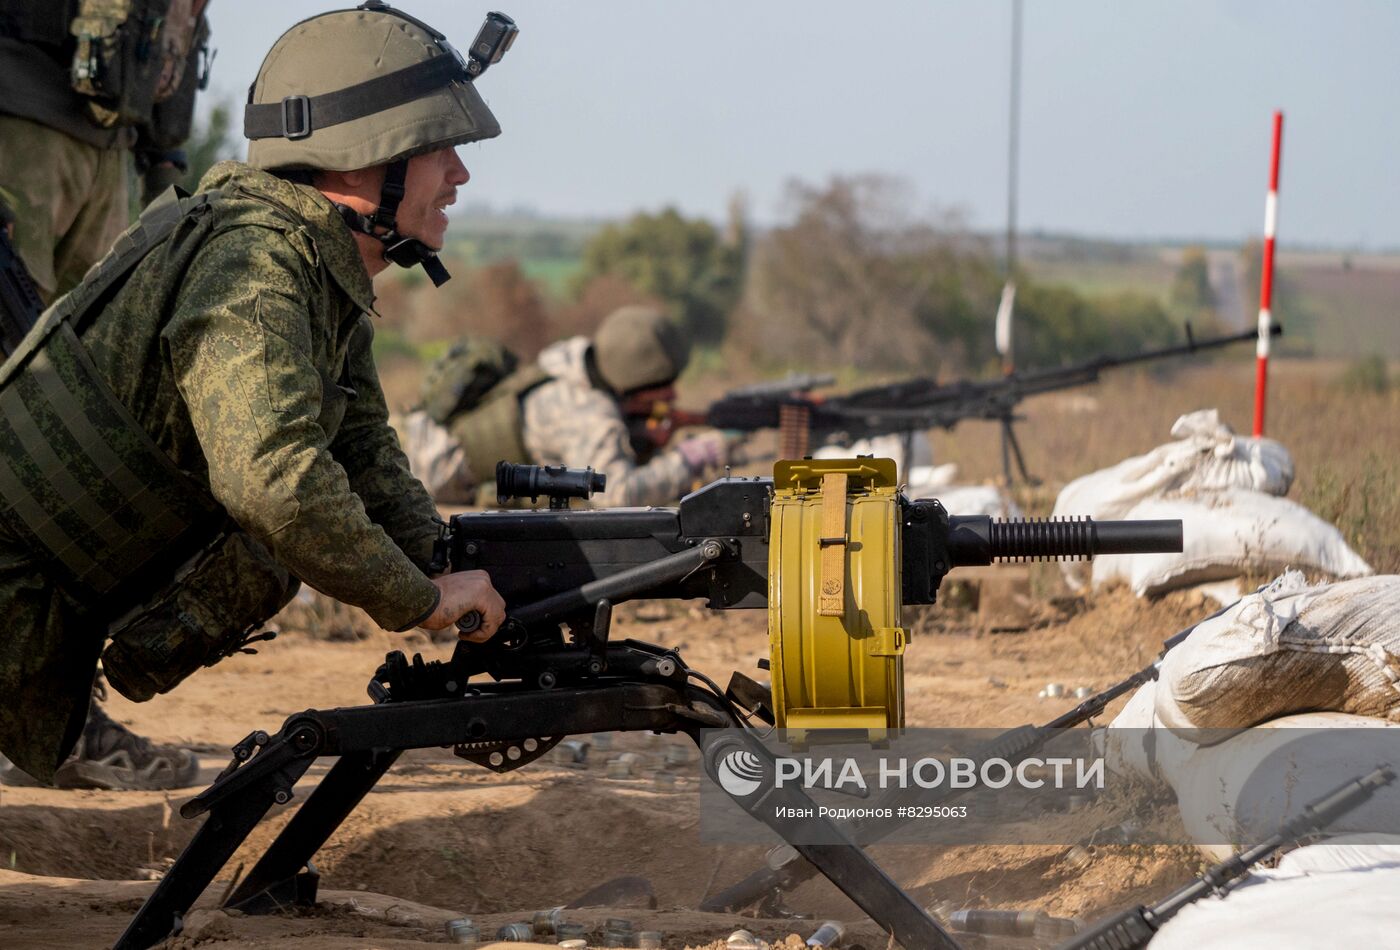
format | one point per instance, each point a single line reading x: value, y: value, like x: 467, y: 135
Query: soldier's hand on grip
x: 464, y: 592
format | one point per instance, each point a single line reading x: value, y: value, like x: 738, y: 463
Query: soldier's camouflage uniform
x: 251, y: 369
x: 66, y: 172
x: 565, y: 420
x: 569, y: 421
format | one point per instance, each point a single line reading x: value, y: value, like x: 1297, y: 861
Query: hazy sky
x: 1139, y: 120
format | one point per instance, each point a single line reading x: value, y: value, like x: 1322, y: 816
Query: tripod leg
x: 1010, y: 447
x: 845, y: 864
x: 229, y: 823
x: 343, y: 788
x: 1020, y: 459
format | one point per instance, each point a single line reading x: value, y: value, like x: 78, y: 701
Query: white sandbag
x: 1136, y: 743
x: 929, y: 481
x: 1227, y: 534
x: 1286, y: 649
x: 1207, y: 457
x: 1242, y: 789
x: 932, y: 478
x: 973, y: 500
x: 1342, y: 853
x: 1270, y: 911
x: 1234, y: 461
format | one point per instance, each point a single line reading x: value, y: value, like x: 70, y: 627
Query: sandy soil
x: 440, y: 839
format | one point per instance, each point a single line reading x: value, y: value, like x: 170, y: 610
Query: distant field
x: 552, y: 273
x: 1149, y: 276
x: 1347, y: 306
x: 1354, y: 311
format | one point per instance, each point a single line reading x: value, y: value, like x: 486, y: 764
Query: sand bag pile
x: 1315, y: 670
x: 1227, y: 491
x: 1289, y: 648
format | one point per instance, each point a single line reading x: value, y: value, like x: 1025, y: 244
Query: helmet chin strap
x: 403, y: 251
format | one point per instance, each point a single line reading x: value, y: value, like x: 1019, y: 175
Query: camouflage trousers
x: 50, y: 647
x: 70, y: 201
x: 48, y: 655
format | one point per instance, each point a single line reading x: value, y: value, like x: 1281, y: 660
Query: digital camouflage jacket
x: 247, y: 360
x: 239, y: 366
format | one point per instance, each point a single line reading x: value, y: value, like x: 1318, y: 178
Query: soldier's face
x: 429, y: 187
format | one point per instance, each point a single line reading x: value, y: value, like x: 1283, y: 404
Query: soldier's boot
x: 111, y: 756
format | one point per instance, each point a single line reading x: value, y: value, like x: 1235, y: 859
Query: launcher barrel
x: 978, y: 539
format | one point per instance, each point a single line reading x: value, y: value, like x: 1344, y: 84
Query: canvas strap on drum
x: 834, y: 596
x: 79, y: 477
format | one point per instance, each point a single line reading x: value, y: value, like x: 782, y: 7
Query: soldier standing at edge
x: 74, y: 102
x: 77, y: 95
x: 200, y: 424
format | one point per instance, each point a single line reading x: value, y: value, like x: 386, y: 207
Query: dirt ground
x: 440, y: 838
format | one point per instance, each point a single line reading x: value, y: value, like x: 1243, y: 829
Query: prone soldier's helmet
x: 639, y: 347
x: 371, y: 86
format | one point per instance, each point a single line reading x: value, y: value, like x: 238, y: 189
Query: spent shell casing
x: 566, y: 930
x: 547, y: 922
x: 463, y: 931
x: 1078, y: 857
x: 828, y: 934
x: 743, y: 940
x: 1058, y: 928
x: 1004, y: 922
x: 515, y: 933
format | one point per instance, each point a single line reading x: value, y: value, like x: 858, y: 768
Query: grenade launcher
x: 830, y: 547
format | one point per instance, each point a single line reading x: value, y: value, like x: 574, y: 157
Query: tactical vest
x: 80, y: 479
x: 128, y: 57
x: 495, y: 428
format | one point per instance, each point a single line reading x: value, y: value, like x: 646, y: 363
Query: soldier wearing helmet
x: 199, y: 425
x: 583, y: 403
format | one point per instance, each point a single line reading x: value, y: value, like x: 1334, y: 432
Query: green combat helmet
x: 371, y: 86
x: 639, y: 347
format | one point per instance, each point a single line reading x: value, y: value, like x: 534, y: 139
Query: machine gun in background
x: 806, y: 420
x: 833, y: 542
x: 20, y: 304
x: 1133, y: 928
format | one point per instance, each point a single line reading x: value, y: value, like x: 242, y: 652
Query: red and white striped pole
x: 1266, y: 282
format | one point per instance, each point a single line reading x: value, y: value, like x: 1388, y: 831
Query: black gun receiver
x: 838, y: 525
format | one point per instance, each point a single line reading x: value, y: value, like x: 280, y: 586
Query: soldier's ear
x: 359, y: 182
